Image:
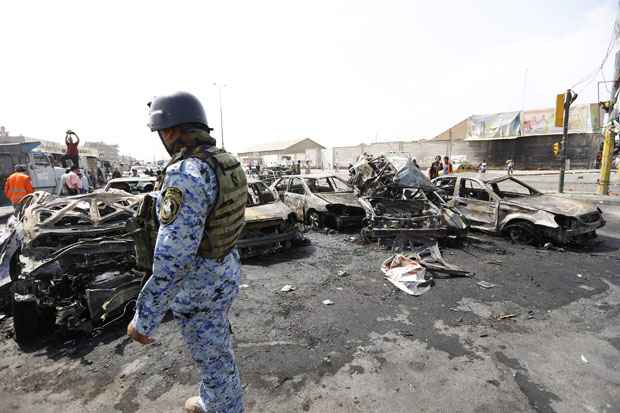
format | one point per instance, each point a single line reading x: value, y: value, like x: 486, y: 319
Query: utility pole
x: 219, y: 88
x: 602, y: 187
x: 568, y: 99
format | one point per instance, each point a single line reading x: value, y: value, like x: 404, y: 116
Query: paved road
x: 375, y: 349
x: 573, y: 182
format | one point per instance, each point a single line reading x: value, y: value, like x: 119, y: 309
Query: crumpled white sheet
x: 406, y: 274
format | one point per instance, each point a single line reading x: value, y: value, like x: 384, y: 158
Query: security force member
x: 195, y: 264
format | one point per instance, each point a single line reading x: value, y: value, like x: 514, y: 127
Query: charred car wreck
x: 320, y: 200
x: 400, y: 202
x: 269, y: 223
x: 88, y: 274
x: 75, y: 263
x: 508, y: 206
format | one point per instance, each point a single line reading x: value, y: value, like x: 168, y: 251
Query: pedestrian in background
x: 509, y: 166
x: 482, y: 168
x: 85, y: 184
x: 433, y: 171
x: 74, y: 180
x: 447, y: 166
x: 17, y: 186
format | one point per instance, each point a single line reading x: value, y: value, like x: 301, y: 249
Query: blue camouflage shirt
x: 179, y: 274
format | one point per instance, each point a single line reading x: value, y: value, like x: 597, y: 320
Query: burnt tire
x: 522, y: 232
x: 31, y: 322
x: 25, y: 321
x: 315, y: 220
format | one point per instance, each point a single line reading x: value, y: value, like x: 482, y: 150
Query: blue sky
x: 342, y: 72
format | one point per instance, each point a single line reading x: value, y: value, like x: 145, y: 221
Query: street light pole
x: 219, y: 88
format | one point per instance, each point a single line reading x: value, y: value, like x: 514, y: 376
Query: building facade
x: 303, y: 150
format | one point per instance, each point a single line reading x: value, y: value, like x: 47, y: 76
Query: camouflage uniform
x: 199, y: 290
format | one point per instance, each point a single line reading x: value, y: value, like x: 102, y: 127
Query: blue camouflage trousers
x: 203, y: 318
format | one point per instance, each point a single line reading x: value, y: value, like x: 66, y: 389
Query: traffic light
x: 556, y: 148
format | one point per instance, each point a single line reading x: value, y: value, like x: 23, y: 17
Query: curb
x: 610, y: 200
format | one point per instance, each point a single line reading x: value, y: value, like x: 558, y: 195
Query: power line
x: 592, y: 75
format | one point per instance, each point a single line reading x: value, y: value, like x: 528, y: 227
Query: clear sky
x: 341, y: 72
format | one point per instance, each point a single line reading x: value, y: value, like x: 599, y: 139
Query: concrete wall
x: 528, y: 152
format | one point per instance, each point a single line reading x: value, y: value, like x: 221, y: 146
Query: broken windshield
x: 327, y: 184
x: 259, y: 194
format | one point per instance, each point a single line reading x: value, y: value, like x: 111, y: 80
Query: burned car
x: 77, y: 262
x: 320, y: 200
x: 509, y: 206
x: 269, y: 223
x: 133, y: 185
x: 401, y: 202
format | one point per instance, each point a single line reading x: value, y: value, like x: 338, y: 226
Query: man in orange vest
x: 17, y: 186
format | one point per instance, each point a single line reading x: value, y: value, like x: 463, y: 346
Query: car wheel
x: 522, y: 233
x: 314, y: 219
x: 25, y: 321
x: 365, y: 235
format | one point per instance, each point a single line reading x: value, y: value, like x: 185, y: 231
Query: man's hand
x: 140, y: 338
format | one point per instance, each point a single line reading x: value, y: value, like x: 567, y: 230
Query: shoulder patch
x: 171, y: 202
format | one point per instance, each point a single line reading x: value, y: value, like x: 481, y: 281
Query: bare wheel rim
x: 315, y: 220
x: 520, y: 234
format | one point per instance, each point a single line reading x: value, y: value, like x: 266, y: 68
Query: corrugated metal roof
x: 277, y: 146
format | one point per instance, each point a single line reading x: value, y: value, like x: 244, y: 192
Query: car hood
x: 555, y: 205
x: 273, y: 210
x: 343, y: 198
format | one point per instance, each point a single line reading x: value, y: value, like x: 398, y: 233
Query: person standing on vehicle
x: 17, y: 186
x: 196, y: 266
x: 72, y: 147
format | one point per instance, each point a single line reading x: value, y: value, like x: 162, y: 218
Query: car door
x: 295, y: 197
x: 281, y: 187
x: 476, y: 203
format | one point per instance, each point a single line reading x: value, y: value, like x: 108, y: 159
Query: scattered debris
x: 584, y: 359
x: 431, y: 259
x: 287, y: 288
x: 242, y: 286
x: 406, y: 274
x: 530, y: 314
x: 328, y: 302
x: 495, y: 262
x: 485, y: 284
x: 506, y: 316
x: 548, y: 245
x: 2, y: 317
x: 484, y: 335
x: 342, y: 273
x: 579, y: 275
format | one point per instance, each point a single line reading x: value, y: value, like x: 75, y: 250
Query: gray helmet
x: 172, y: 110
x: 20, y: 168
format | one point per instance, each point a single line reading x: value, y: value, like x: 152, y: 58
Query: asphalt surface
x: 574, y: 181
x: 375, y: 349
